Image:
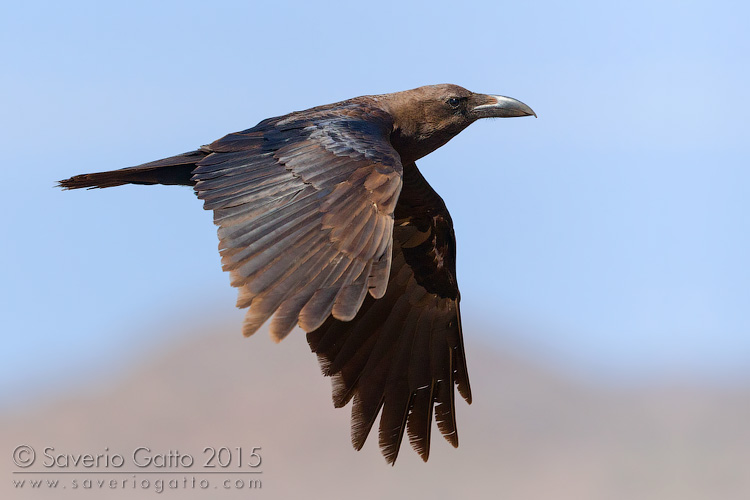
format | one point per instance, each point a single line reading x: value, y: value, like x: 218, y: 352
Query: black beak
x: 499, y: 106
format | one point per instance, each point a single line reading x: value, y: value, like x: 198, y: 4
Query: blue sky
x: 610, y: 234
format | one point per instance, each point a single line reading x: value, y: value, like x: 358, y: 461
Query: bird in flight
x: 324, y: 221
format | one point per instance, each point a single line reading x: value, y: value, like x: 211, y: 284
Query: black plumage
x: 326, y: 223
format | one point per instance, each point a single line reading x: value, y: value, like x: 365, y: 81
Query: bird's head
x: 427, y: 117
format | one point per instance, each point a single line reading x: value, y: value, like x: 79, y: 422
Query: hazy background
x: 605, y: 242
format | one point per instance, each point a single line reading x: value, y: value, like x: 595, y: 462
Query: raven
x: 325, y: 222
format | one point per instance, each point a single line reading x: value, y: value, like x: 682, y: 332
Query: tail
x: 176, y: 170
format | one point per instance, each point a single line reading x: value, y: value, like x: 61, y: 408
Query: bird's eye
x: 453, y: 102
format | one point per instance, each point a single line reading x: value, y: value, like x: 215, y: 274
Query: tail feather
x: 175, y: 170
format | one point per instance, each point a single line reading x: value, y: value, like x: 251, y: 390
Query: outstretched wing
x: 404, y: 352
x: 304, y: 205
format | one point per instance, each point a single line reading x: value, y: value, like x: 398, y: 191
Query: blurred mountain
x: 532, y: 432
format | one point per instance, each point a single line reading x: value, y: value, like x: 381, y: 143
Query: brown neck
x: 417, y: 129
x: 411, y: 147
